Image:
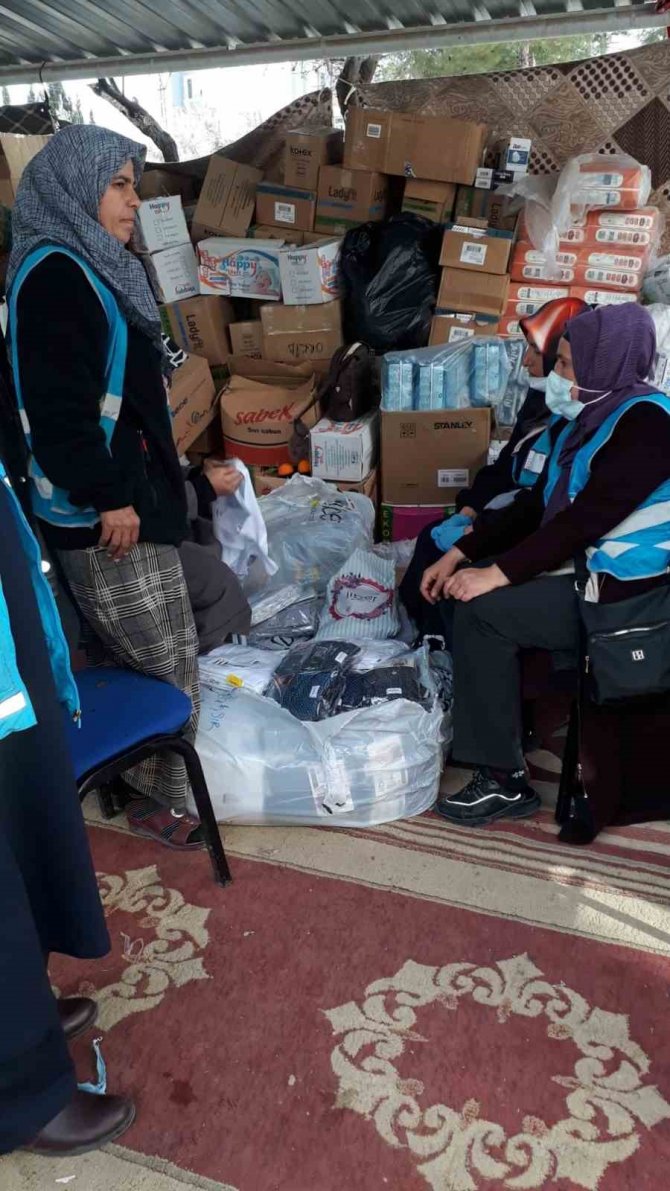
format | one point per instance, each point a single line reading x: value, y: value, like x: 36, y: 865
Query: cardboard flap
x: 266, y: 372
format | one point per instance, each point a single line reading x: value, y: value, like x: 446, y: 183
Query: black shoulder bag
x: 626, y: 645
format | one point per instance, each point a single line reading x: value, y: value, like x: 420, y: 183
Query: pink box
x: 399, y: 522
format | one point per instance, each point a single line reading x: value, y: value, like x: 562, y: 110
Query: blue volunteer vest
x: 528, y: 467
x: 638, y: 548
x: 16, y: 712
x: 49, y: 502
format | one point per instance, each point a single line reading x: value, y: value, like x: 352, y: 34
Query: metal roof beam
x: 389, y: 41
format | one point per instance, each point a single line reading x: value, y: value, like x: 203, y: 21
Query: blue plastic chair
x: 127, y: 717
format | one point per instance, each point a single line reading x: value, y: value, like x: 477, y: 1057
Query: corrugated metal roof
x: 81, y: 38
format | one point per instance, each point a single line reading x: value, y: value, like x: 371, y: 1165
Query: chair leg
x: 105, y: 794
x: 217, y: 855
x: 566, y: 789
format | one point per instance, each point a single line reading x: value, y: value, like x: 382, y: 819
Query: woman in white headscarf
x: 107, y: 489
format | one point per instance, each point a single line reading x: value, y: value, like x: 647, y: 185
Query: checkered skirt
x: 138, y: 614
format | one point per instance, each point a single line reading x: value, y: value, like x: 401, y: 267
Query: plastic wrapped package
x: 390, y: 273
x: 386, y: 683
x: 233, y: 666
x: 455, y: 376
x: 397, y: 383
x: 656, y: 285
x: 379, y: 653
x: 355, y: 769
x: 594, y: 181
x: 312, y: 530
x: 661, y: 372
x: 310, y: 679
x: 491, y: 371
x: 399, y: 553
x: 517, y: 383
x: 361, y: 600
x: 297, y: 622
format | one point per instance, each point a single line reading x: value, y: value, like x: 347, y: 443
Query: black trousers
x: 48, y: 890
x: 489, y: 635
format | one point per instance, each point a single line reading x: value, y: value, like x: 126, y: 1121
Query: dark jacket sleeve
x: 625, y: 471
x: 203, y: 492
x: 62, y: 336
x: 496, y: 478
x: 503, y: 529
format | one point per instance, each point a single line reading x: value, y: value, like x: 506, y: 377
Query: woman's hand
x: 436, y: 577
x: 120, y: 529
x: 225, y: 480
x: 472, y: 582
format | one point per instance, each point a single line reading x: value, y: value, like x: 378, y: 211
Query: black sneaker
x: 485, y: 798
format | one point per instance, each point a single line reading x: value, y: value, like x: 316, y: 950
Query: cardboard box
x: 296, y: 334
x: 428, y: 457
x: 347, y: 198
x: 259, y: 405
x: 227, y: 198
x: 344, y: 450
x: 160, y: 181
x: 496, y: 210
x: 470, y: 245
x: 15, y: 153
x: 266, y: 480
x: 513, y: 154
x: 210, y: 442
x: 240, y: 268
x: 463, y: 290
x: 162, y: 223
x: 453, y: 328
x: 286, y: 206
x: 287, y: 235
x: 432, y: 200
x: 200, y: 326
x: 435, y: 148
x: 176, y: 271
x: 310, y: 275
x: 400, y: 523
x: 594, y: 296
x: 246, y: 339
x: 306, y: 151
x: 193, y: 402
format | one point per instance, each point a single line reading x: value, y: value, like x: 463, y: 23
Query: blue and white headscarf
x: 57, y: 203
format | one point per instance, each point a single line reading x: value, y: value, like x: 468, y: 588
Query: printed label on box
x: 456, y: 334
x: 456, y: 478
x: 374, y: 131
x: 484, y: 179
x: 285, y: 212
x: 473, y: 254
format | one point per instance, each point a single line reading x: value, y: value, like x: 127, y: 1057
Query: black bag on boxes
x: 390, y: 272
x: 350, y: 388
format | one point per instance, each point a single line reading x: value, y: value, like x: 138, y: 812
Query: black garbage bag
x: 390, y: 274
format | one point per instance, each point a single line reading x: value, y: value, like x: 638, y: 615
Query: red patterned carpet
x: 377, y: 1010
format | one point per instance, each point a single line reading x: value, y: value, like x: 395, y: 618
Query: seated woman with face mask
x: 605, y: 496
x: 517, y: 468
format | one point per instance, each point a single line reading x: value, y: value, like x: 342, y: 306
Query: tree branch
x: 107, y: 89
x: 354, y: 73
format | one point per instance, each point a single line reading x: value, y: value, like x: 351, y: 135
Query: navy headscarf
x: 613, y: 351
x: 57, y: 203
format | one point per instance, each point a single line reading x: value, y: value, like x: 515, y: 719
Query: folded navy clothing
x: 381, y: 686
x: 310, y: 680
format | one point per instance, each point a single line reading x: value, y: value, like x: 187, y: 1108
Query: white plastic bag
x: 232, y: 666
x: 369, y: 766
x: 361, y: 600
x: 596, y: 181
x: 312, y: 529
x: 240, y: 529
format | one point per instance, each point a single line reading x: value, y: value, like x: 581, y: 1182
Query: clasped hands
x: 444, y: 579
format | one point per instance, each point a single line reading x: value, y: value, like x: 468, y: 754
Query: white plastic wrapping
x: 364, y: 767
x: 595, y: 181
x: 240, y: 529
x: 656, y: 285
x: 232, y: 666
x: 661, y: 373
x: 361, y: 600
x: 472, y: 372
x: 312, y: 529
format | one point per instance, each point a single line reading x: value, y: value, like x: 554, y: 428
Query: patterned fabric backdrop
x: 617, y: 103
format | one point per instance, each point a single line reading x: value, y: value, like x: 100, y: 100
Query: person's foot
x: 76, y: 1015
x: 86, y: 1123
x: 488, y: 796
x: 169, y: 827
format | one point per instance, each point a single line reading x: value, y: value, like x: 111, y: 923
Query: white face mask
x: 559, y: 399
